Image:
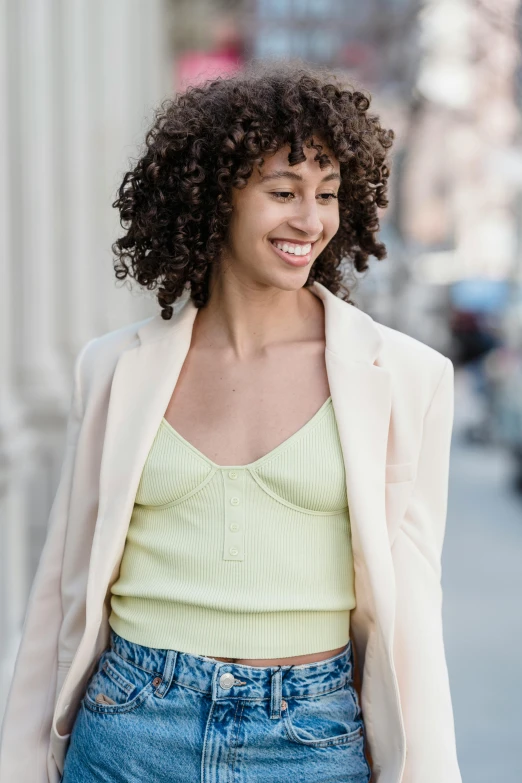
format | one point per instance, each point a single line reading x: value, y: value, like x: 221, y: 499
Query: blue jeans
x: 162, y: 716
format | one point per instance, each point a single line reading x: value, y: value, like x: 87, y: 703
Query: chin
x: 292, y: 281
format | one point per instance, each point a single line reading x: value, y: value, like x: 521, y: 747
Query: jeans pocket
x: 333, y: 718
x: 118, y: 685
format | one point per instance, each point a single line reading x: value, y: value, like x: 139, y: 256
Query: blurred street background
x: 79, y: 80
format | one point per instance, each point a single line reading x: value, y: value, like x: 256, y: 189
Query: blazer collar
x: 359, y: 339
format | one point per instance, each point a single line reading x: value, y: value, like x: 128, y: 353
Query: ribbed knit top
x: 239, y: 561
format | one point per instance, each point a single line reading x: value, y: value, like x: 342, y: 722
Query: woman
x: 241, y: 578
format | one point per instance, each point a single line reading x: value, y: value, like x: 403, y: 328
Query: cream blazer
x: 393, y: 401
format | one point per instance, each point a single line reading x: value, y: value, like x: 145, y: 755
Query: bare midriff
x: 296, y: 660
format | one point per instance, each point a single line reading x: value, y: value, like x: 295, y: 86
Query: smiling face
x: 293, y: 206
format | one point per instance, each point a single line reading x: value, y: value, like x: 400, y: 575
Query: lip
x: 290, y: 259
x: 293, y: 241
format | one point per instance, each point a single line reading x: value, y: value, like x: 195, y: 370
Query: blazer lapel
x: 361, y: 397
x: 361, y: 394
x: 143, y: 382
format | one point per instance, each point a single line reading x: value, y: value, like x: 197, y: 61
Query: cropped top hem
x: 202, y: 631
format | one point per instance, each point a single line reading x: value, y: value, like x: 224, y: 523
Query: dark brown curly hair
x: 175, y: 203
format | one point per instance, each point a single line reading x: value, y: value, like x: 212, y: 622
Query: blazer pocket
x: 400, y: 471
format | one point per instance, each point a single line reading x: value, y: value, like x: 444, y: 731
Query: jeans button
x: 226, y: 680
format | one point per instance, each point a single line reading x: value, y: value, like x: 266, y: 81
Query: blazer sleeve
x: 418, y: 645
x: 25, y: 737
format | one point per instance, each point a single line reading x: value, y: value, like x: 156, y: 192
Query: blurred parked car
x: 476, y: 311
x: 486, y: 327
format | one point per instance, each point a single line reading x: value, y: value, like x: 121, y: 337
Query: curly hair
x: 175, y: 203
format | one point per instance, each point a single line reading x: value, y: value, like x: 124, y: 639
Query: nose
x: 307, y: 219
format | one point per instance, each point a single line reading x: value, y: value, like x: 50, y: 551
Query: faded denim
x: 174, y: 718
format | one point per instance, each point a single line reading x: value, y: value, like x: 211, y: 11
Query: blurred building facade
x: 78, y: 83
x: 462, y: 177
x: 466, y: 164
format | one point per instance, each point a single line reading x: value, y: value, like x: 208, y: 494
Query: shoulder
x: 112, y: 343
x: 411, y: 362
x: 97, y: 359
x: 103, y: 351
x: 406, y: 358
x: 398, y: 346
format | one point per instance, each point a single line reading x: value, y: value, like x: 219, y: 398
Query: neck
x: 248, y: 319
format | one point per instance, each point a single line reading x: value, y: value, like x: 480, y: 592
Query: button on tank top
x: 239, y: 561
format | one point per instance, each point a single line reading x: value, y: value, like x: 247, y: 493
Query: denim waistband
x: 207, y: 675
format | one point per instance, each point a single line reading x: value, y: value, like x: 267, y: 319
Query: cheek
x: 332, y: 223
x: 255, y: 221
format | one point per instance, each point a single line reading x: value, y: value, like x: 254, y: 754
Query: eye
x: 332, y: 196
x: 283, y: 195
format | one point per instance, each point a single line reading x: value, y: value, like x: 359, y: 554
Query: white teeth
x: 296, y: 250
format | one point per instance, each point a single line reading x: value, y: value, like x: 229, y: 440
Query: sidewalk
x: 482, y: 581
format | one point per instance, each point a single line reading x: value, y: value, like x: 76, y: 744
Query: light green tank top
x: 239, y: 561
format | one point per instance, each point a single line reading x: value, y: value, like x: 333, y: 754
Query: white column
x: 78, y: 80
x: 80, y: 165
x: 127, y: 74
x: 38, y: 295
x: 13, y: 576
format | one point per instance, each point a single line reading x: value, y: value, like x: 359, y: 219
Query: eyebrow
x: 281, y: 174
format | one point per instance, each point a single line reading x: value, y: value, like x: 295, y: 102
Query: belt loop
x: 276, y: 693
x: 168, y: 673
